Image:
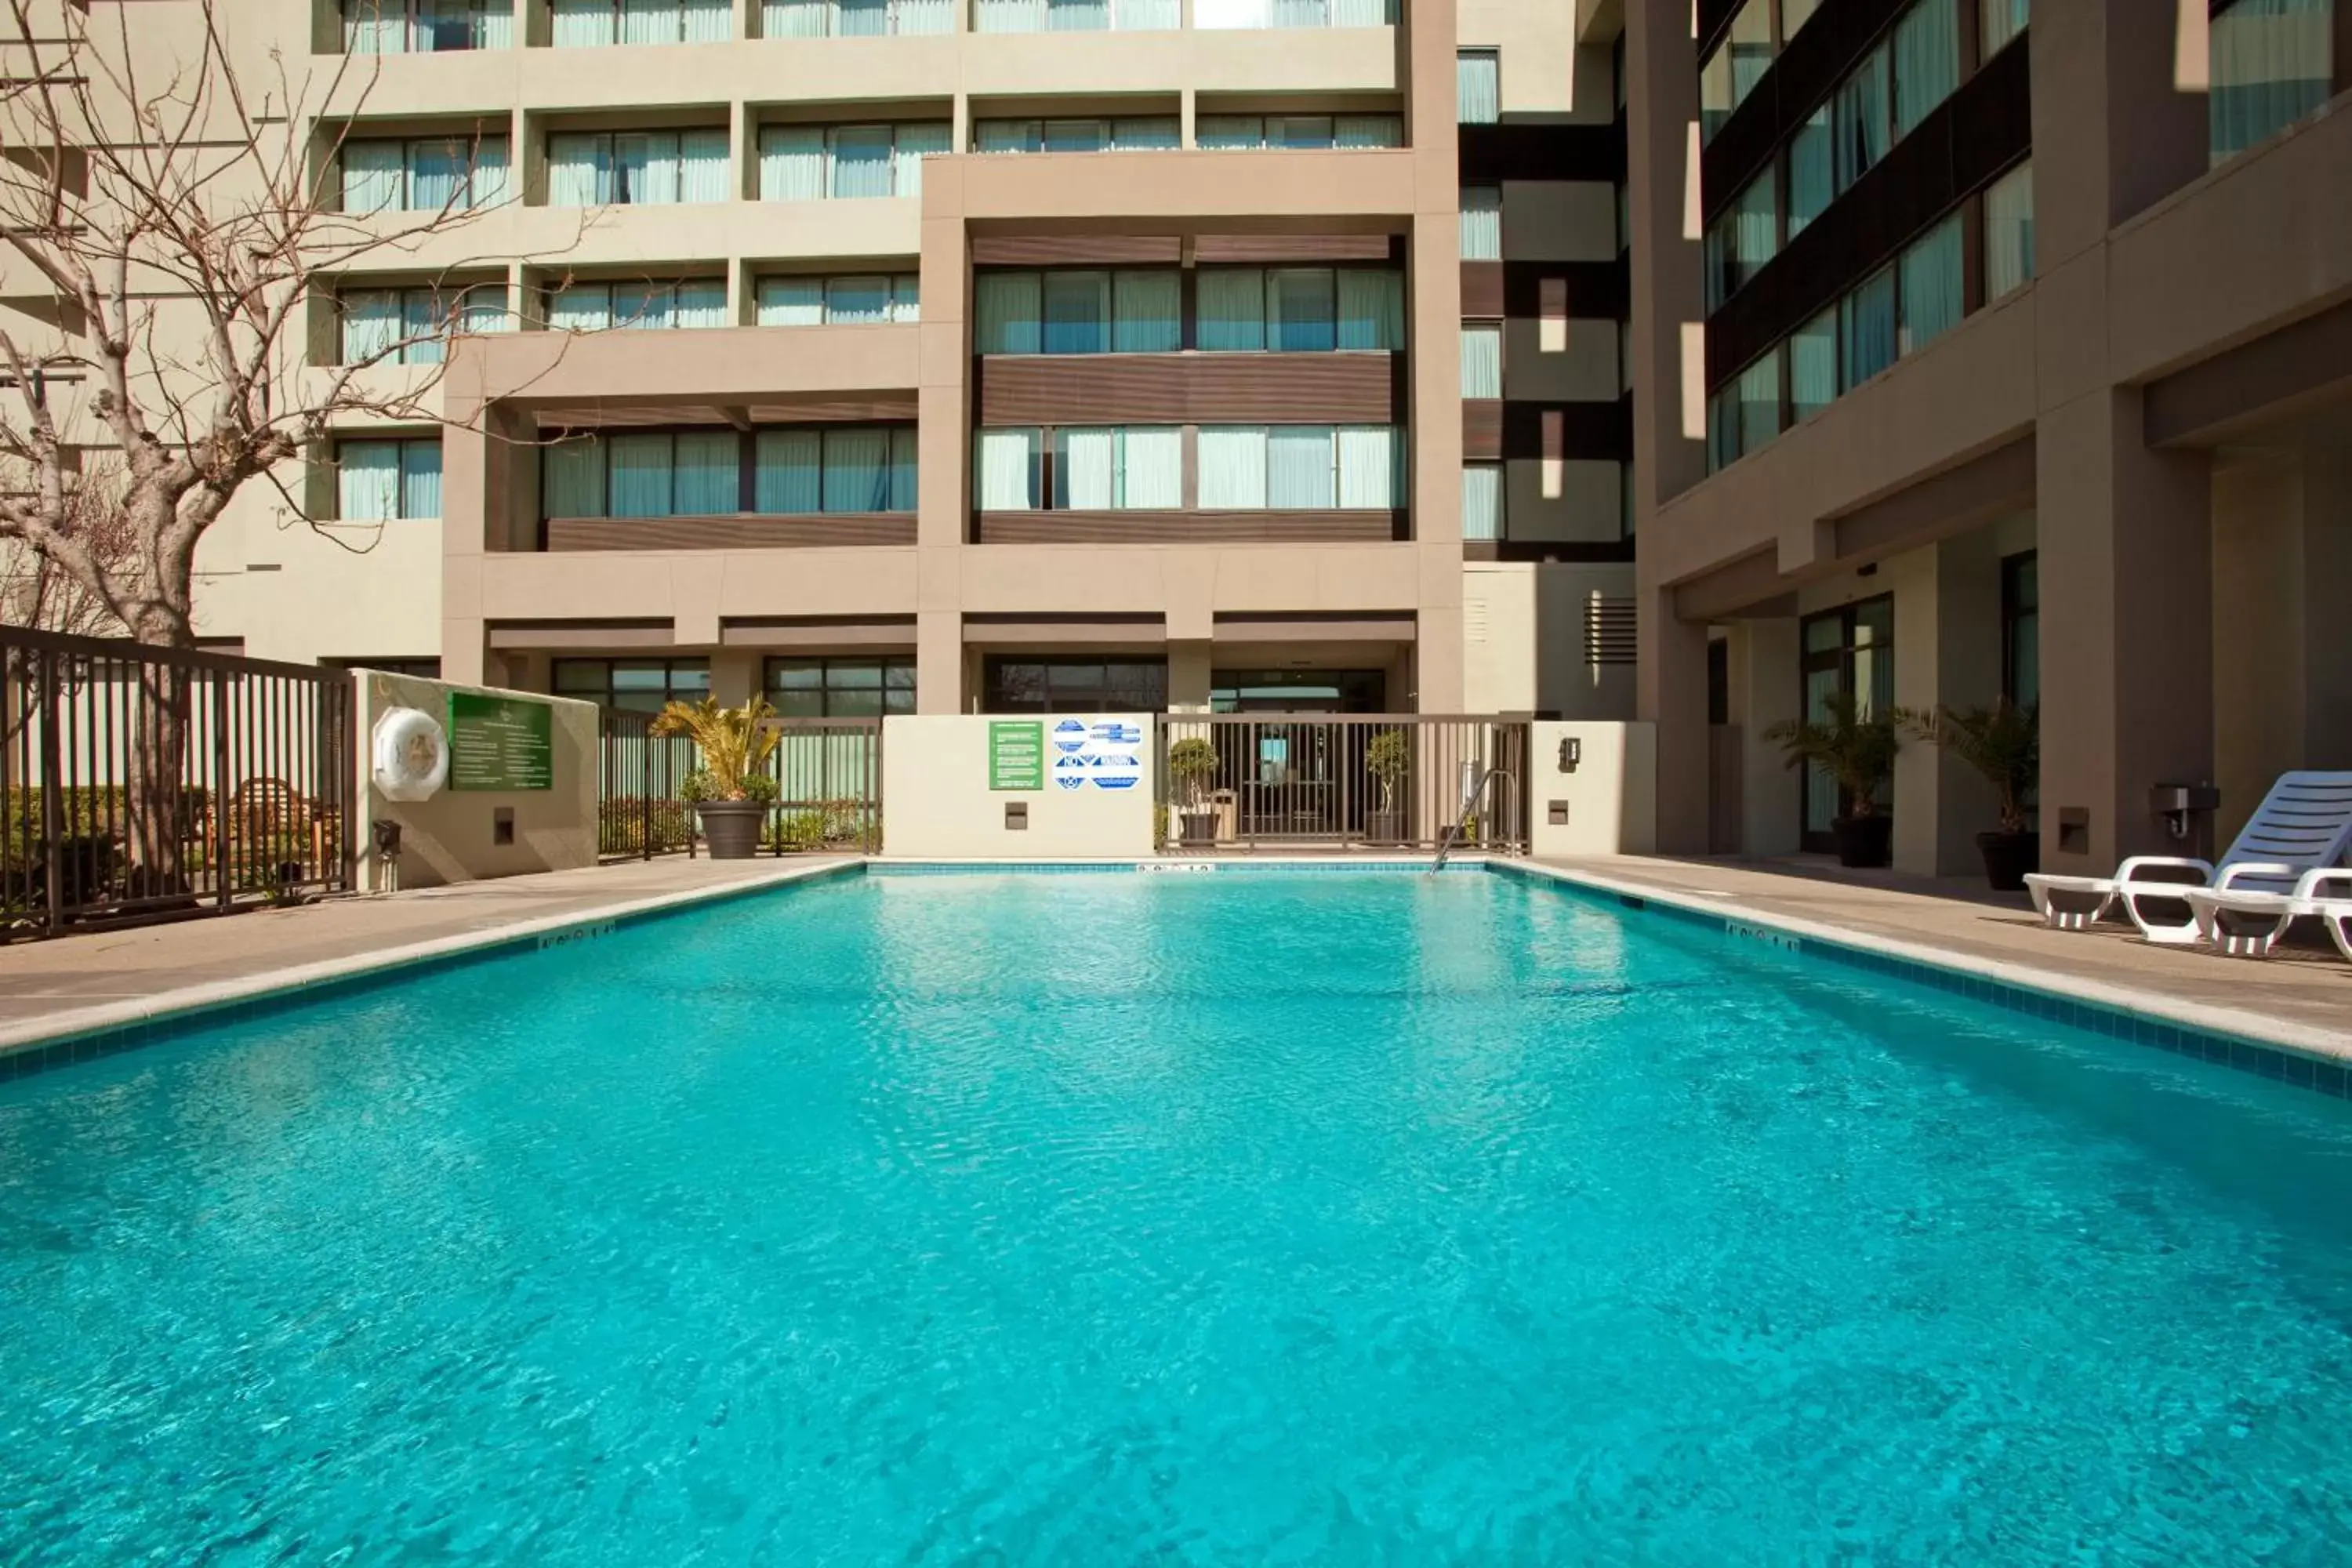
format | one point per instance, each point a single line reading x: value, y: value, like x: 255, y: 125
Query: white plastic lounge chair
x: 2246, y: 923
x: 2303, y: 824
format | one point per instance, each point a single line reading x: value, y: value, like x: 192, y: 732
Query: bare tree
x: 36, y: 591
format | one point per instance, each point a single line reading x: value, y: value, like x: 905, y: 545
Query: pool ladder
x: 1455, y: 830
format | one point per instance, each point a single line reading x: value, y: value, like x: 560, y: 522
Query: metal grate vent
x: 1608, y: 629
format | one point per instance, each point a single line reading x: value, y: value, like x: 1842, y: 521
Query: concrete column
x: 2126, y: 629
x: 1671, y: 693
x: 2116, y: 126
x: 1968, y: 675
x: 1434, y: 405
x: 939, y: 662
x: 1767, y: 686
x: 943, y: 483
x: 1189, y: 668
x: 1661, y: 130
x: 735, y: 676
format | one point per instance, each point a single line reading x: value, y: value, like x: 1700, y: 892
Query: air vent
x: 1608, y: 629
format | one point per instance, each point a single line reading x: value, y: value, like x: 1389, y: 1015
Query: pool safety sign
x: 1016, y: 754
x: 1103, y: 753
x: 501, y: 742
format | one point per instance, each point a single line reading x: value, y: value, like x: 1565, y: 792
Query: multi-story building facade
x: 2006, y: 349
x: 946, y: 355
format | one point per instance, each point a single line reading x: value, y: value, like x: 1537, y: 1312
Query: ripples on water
x: 1104, y: 1219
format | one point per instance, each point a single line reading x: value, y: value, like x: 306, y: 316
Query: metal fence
x: 639, y: 814
x: 1319, y: 781
x: 146, y: 783
x: 828, y: 774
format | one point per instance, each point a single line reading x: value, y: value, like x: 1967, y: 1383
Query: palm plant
x: 735, y: 742
x: 1854, y: 747
x: 2002, y: 742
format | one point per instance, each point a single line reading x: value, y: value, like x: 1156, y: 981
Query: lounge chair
x: 2303, y: 824
x: 2247, y: 924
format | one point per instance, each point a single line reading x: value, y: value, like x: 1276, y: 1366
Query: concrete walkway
x: 2301, y: 996
x: 104, y: 978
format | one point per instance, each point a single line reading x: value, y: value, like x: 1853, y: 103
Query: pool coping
x: 106, y: 1027
x: 2266, y: 1047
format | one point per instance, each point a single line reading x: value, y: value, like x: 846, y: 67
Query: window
x: 2009, y: 232
x: 1482, y: 223
x: 1927, y: 60
x: 1215, y: 14
x: 1999, y: 22
x: 1813, y: 175
x: 1128, y: 133
x: 1477, y: 87
x: 1759, y: 402
x: 658, y: 305
x: 1727, y: 76
x: 380, y: 482
x: 839, y: 302
x: 1009, y: 466
x: 585, y: 24
x: 1079, y: 311
x: 815, y: 163
x: 2020, y: 629
x: 1115, y: 470
x: 1076, y: 15
x: 1867, y: 339
x: 1482, y: 360
x: 639, y: 685
x: 1722, y: 428
x: 1073, y: 685
x: 1931, y: 288
x: 431, y: 173
x: 426, y: 27
x: 1300, y: 467
x: 1482, y: 500
x: 407, y: 326
x: 1140, y: 310
x: 841, y: 688
x: 855, y: 18
x: 1741, y: 239
x: 1813, y: 366
x: 2271, y: 61
x: 1296, y: 133
x: 702, y: 473
x: 1858, y: 120
x: 636, y: 168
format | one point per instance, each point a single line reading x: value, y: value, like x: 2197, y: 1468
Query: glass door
x: 1846, y: 651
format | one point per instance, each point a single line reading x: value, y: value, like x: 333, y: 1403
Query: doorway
x: 1848, y: 651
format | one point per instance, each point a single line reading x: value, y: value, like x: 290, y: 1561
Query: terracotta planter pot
x: 2008, y: 856
x: 731, y: 827
x: 1864, y: 841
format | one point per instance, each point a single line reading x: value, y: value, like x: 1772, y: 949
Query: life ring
x: 412, y: 755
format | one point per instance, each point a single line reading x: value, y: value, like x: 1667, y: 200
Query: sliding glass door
x: 1848, y: 651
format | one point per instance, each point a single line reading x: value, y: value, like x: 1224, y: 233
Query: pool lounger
x: 2233, y: 920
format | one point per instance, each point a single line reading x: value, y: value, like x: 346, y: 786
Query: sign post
x: 500, y: 744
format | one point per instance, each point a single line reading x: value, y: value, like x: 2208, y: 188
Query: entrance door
x: 1850, y: 650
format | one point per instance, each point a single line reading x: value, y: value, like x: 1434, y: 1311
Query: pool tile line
x: 2307, y: 1058
x: 1288, y: 865
x: 109, y: 1028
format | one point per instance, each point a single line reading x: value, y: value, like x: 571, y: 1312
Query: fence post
x: 52, y: 766
x: 225, y: 883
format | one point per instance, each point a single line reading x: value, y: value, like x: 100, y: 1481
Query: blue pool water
x: 1231, y: 1219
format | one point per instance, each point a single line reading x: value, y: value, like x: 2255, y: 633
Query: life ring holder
x: 411, y: 755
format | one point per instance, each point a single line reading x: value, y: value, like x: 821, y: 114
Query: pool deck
x: 105, y: 979
x: 2300, y: 997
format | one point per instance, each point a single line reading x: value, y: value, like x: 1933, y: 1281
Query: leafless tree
x: 35, y: 591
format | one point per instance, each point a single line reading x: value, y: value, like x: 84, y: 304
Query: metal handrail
x: 1453, y: 829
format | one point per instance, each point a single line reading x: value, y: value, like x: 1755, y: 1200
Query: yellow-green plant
x: 735, y: 742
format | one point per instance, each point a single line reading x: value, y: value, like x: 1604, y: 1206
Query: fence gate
x: 146, y: 783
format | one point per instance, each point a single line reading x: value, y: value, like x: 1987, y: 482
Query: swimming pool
x: 1259, y: 1218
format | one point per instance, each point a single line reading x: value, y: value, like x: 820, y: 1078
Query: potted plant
x: 2003, y: 743
x: 732, y: 790
x: 1858, y: 752
x: 1191, y: 763
x: 1386, y: 759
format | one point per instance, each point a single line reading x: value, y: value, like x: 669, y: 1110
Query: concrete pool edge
x: 2111, y: 1010
x: 104, y: 1028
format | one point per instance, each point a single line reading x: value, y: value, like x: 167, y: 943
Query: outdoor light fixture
x: 1571, y: 751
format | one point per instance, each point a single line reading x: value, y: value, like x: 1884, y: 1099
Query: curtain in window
x: 702, y: 166
x: 1299, y: 132
x: 2009, y: 232
x: 1148, y: 15
x: 912, y: 17
x: 639, y: 486
x: 1007, y: 313
x: 483, y: 309
x: 1482, y: 361
x: 1228, y: 132
x: 582, y: 24
x: 708, y: 21
x: 856, y: 470
x: 1231, y: 301
x: 907, y: 297
x: 1482, y: 500
x: 1931, y: 290
x: 1010, y: 16
x: 1302, y: 315
x: 1813, y: 366
x: 1477, y: 87
x: 1145, y: 133
x: 903, y: 442
x: 1086, y: 469
x: 1298, y: 13
x: 1298, y: 466
x: 1371, y: 465
x: 375, y: 27
x: 1008, y: 470
x: 367, y: 481
x: 791, y: 164
x: 1363, y: 13
x: 1212, y: 14
x: 913, y: 142
x: 486, y: 182
x: 1758, y: 226
x: 646, y: 168
x: 1927, y: 60
x: 1005, y: 136
x: 1482, y: 223
x: 573, y: 165
x: 420, y: 477
x: 860, y: 155
x: 1077, y: 15
x: 1866, y: 330
x: 1372, y: 309
x: 572, y: 479
x: 1232, y: 467
x: 787, y: 472
x: 856, y: 299
x: 1811, y: 173
x: 861, y: 19
x: 422, y: 318
x: 1077, y: 312
x: 701, y: 302
x: 2000, y: 21
x: 1750, y: 48
x: 1861, y: 120
x: 1759, y: 402
x: 1148, y: 312
x: 649, y: 21
x: 2270, y: 62
x: 373, y: 172
x: 372, y: 320
x: 796, y: 19
x: 648, y: 307
x: 582, y: 307
x: 792, y: 302
x: 1367, y: 131
x: 1151, y: 468
x: 710, y: 474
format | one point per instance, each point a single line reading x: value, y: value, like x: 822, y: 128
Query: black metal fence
x: 828, y: 774
x: 1272, y: 781
x: 146, y: 783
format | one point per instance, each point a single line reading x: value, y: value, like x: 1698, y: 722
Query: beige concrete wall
x: 937, y: 804
x: 1611, y: 798
x: 1523, y: 640
x: 449, y: 838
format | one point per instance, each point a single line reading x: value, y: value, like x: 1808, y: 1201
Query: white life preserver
x: 412, y: 755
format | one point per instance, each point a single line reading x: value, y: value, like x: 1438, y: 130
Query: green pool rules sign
x: 1016, y: 754
x: 499, y: 742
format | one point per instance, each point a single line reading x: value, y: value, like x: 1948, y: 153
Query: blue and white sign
x: 1069, y: 735
x: 1070, y: 771
x: 1114, y: 732
x: 1117, y: 770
